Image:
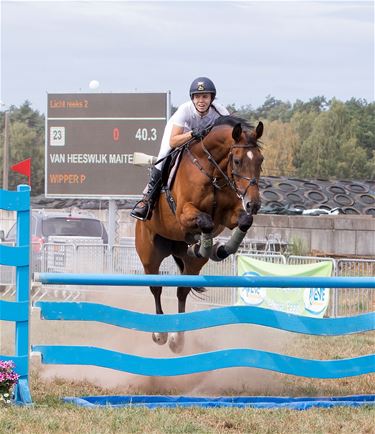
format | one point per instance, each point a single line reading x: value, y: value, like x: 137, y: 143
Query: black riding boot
x: 143, y: 209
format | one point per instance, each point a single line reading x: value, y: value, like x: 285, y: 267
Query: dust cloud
x: 245, y: 381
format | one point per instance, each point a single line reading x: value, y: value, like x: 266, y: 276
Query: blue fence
x: 82, y: 355
x: 18, y: 311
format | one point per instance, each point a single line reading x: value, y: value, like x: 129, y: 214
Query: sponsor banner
x: 299, y: 301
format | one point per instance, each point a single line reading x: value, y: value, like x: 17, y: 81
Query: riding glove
x: 198, y: 134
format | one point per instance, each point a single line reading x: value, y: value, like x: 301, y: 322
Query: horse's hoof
x: 193, y: 251
x: 176, y: 342
x: 218, y: 252
x: 160, y: 338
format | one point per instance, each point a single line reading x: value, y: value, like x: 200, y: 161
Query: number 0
x: 116, y: 134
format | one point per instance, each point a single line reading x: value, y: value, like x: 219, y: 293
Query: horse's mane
x: 232, y: 121
x: 235, y: 120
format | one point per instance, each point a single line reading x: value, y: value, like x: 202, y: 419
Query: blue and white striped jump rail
x: 18, y: 311
x: 84, y: 355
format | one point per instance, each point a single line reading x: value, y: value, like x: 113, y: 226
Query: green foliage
x: 26, y: 140
x: 330, y: 145
x: 297, y: 247
x: 279, y: 142
x: 274, y: 109
x: 314, y: 105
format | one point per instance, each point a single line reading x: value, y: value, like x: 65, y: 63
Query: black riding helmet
x: 202, y: 85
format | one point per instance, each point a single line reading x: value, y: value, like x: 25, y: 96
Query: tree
x: 26, y: 140
x: 245, y: 111
x: 274, y: 109
x: 364, y: 113
x: 316, y: 105
x: 280, y: 141
x: 330, y: 147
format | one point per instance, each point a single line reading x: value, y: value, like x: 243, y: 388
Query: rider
x: 189, y: 122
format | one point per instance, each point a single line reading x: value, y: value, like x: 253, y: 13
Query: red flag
x: 23, y: 167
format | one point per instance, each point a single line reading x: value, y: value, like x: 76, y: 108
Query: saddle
x: 170, y: 167
x: 168, y: 174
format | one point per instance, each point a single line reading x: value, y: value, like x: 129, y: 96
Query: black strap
x: 217, y: 111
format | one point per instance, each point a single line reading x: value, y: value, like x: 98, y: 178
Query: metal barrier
x: 123, y: 259
x: 351, y: 300
x: 297, y: 260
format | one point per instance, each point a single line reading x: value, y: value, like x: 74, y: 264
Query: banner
x: 299, y: 301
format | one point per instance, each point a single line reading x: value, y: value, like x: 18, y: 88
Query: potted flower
x: 8, y: 379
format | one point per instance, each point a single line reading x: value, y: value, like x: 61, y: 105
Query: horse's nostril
x: 252, y: 207
x: 249, y: 207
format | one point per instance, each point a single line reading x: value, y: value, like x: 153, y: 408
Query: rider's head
x: 202, y: 93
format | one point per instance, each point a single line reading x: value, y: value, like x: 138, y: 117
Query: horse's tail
x: 198, y: 290
x: 179, y: 263
x: 195, y: 290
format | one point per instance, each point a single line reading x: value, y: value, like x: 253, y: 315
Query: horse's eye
x: 236, y: 161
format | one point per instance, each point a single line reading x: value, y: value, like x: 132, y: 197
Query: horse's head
x: 245, y: 163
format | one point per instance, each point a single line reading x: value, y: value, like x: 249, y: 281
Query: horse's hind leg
x: 158, y: 337
x: 151, y: 258
x: 177, y: 339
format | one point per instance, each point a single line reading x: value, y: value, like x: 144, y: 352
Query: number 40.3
x: 146, y: 134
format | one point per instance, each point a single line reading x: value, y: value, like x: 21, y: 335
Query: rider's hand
x: 198, y: 134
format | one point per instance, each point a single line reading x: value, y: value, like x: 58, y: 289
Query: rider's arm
x: 178, y: 137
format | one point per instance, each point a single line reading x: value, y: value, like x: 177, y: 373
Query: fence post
x: 22, y: 295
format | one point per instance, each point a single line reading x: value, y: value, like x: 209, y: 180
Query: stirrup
x: 141, y: 217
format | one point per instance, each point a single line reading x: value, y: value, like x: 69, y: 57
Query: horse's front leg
x: 191, y: 220
x: 177, y: 339
x: 159, y: 338
x: 221, y: 251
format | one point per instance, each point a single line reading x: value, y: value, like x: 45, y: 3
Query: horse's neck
x: 215, y: 143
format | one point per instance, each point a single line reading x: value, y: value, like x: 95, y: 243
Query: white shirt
x: 188, y: 118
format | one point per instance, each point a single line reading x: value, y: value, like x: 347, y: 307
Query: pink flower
x: 8, y: 378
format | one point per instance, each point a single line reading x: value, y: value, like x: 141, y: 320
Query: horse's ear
x: 236, y: 133
x: 259, y: 130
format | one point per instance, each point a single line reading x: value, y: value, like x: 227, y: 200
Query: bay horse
x: 216, y: 186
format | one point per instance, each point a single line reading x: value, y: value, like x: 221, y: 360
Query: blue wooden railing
x: 18, y: 310
x: 84, y: 355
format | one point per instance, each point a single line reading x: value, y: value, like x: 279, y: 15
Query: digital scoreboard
x: 91, y: 138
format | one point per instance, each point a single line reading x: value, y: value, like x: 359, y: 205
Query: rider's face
x: 202, y: 101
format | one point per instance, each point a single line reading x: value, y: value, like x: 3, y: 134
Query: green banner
x: 299, y: 301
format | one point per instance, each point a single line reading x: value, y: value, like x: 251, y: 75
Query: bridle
x: 252, y: 181
x: 228, y: 181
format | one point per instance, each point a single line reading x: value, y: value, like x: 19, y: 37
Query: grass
x: 69, y: 419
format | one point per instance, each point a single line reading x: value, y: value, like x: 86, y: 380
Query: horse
x: 216, y: 186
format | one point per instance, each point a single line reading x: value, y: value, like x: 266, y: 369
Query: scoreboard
x: 91, y: 138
